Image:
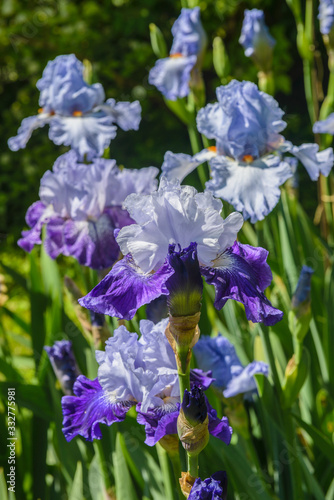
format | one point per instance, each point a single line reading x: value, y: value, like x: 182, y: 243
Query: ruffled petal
x: 92, y: 243
x: 26, y: 129
x: 37, y: 215
x: 88, y: 408
x: 252, y: 188
x: 88, y: 134
x: 171, y: 76
x: 159, y: 422
x: 179, y: 165
x: 314, y: 162
x: 242, y: 274
x: 125, y: 289
x: 126, y: 115
x: 201, y: 379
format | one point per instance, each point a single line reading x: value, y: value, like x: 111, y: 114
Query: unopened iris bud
x: 157, y: 41
x: 212, y: 488
x: 295, y: 376
x: 302, y: 294
x: 63, y: 364
x: 193, y: 421
x: 185, y: 286
x: 220, y: 58
x: 256, y: 39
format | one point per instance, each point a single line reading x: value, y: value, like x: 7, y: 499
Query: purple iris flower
x: 326, y: 16
x: 131, y: 372
x: 212, y: 488
x: 172, y: 74
x: 230, y: 376
x: 81, y: 206
x: 63, y: 363
x: 77, y: 113
x: 247, y: 164
x: 256, y: 39
x: 162, y: 421
x: 179, y: 215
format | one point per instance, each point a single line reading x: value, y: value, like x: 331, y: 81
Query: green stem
x: 166, y: 472
x: 184, y: 381
x: 196, y: 148
x: 192, y: 465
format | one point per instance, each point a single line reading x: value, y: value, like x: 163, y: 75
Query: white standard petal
x: 252, y: 188
x: 315, y: 162
x: 174, y: 215
x: 88, y: 134
x: 178, y: 166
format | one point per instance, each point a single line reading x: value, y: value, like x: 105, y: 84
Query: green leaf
x: 32, y: 397
x: 123, y: 481
x: 320, y: 440
x: 76, y: 492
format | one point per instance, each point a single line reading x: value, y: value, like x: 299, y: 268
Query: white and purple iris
x: 230, y: 376
x: 179, y: 217
x: 247, y: 166
x: 134, y: 372
x: 77, y: 113
x: 256, y: 39
x: 172, y: 74
x: 81, y: 206
x: 326, y: 16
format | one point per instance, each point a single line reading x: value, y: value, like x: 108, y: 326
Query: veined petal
x: 171, y: 76
x: 245, y: 382
x: 314, y: 162
x: 88, y: 408
x: 242, y: 274
x: 159, y: 422
x: 252, y: 188
x: 26, y: 129
x: 125, y: 289
x: 126, y: 115
x: 219, y: 428
x: 179, y: 165
x: 88, y: 134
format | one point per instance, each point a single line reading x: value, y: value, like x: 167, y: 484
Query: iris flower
x: 81, y: 205
x: 256, y: 39
x: 172, y: 74
x: 247, y: 163
x: 77, y: 113
x: 178, y: 217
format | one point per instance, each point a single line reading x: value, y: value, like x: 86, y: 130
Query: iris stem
x: 184, y: 381
x: 176, y: 464
x: 196, y: 148
x: 264, y: 332
x: 192, y: 465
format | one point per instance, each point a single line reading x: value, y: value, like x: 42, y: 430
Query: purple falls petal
x: 88, y: 408
x: 243, y: 276
x: 124, y: 290
x: 159, y: 422
x: 37, y: 215
x: 219, y: 428
x: 200, y: 378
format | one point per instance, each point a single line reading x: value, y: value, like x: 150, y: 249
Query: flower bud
x: 193, y: 421
x: 185, y: 286
x: 63, y: 364
x: 157, y: 41
x: 221, y: 61
x: 300, y: 314
x: 256, y: 39
x: 295, y: 376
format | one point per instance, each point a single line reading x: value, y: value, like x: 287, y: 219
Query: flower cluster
x: 172, y: 75
x: 77, y: 113
x: 81, y: 205
x: 134, y: 372
x: 247, y: 163
x: 179, y: 216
